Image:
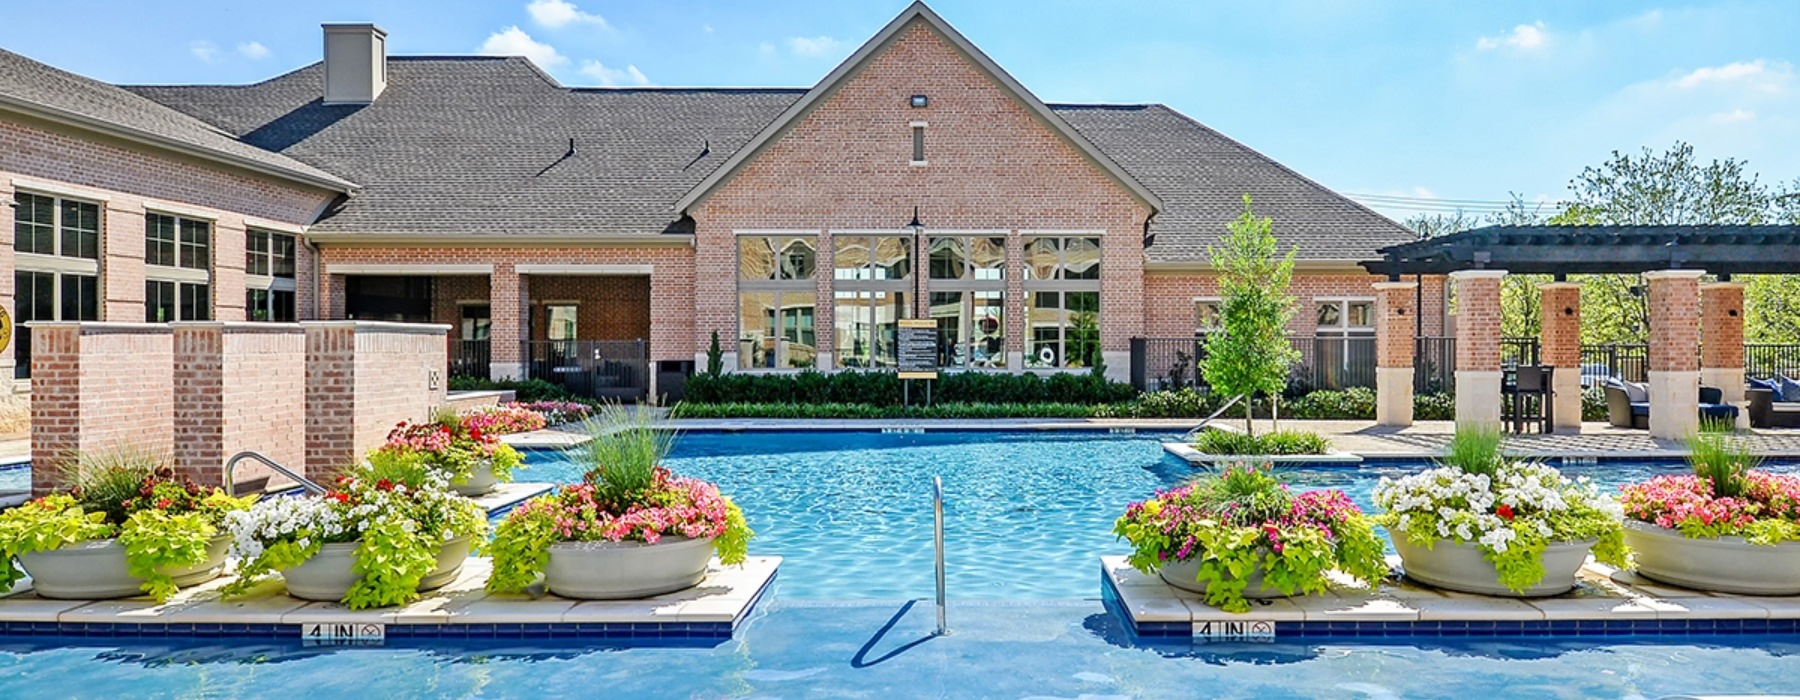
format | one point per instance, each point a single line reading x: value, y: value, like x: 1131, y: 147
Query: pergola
x: 1682, y: 310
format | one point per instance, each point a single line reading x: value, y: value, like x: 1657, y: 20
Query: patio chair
x: 1770, y: 404
x: 1713, y: 406
x: 1627, y: 404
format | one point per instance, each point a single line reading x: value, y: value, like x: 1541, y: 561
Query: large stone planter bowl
x: 1723, y: 564
x: 329, y: 575
x: 614, y: 570
x: 1461, y: 567
x: 1185, y: 574
x: 96, y: 570
x: 481, y: 480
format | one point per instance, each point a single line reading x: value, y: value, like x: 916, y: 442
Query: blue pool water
x: 15, y: 478
x: 1027, y: 514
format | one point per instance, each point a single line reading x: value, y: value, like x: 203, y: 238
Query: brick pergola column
x: 508, y: 297
x: 1559, y: 341
x: 1395, y: 315
x: 1478, y: 348
x: 1722, y: 343
x: 1674, y: 303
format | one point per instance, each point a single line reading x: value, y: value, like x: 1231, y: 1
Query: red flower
x: 164, y: 503
x: 384, y: 485
x: 1504, y: 511
x: 340, y: 497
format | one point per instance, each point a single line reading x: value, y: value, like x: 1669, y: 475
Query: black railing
x: 1434, y: 365
x: 601, y: 369
x: 1518, y: 351
x: 1326, y: 362
x: 1627, y: 361
x: 1764, y: 360
x: 470, y: 358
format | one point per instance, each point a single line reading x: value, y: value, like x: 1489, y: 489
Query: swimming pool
x: 1027, y: 515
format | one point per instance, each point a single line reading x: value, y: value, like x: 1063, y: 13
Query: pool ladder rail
x: 232, y: 464
x: 937, y: 511
x: 1215, y: 414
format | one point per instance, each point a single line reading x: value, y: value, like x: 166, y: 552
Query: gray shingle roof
x: 461, y: 145
x: 38, y: 89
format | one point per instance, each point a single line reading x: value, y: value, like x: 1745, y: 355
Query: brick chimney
x: 355, y: 63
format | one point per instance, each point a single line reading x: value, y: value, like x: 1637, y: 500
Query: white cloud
x: 559, y: 13
x: 706, y: 28
x: 513, y: 41
x: 765, y: 50
x: 1760, y: 74
x: 811, y: 47
x: 253, y: 50
x: 1524, y: 37
x: 1736, y: 116
x: 612, y: 77
x: 205, y: 51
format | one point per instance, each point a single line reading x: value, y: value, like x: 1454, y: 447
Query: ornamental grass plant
x: 1241, y: 521
x: 161, y: 519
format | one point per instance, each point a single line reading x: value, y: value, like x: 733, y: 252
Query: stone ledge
x: 1331, y: 458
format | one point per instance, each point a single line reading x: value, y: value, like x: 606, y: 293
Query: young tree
x: 1250, y: 352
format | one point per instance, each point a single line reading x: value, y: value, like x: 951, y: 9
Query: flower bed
x: 504, y: 420
x: 558, y: 412
x: 1727, y: 527
x: 454, y: 447
x: 1244, y: 526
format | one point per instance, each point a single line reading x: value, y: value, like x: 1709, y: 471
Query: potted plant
x: 504, y: 420
x: 386, y: 530
x: 629, y: 529
x: 474, y: 461
x: 126, y: 525
x: 1484, y: 523
x: 1240, y: 533
x: 1727, y: 527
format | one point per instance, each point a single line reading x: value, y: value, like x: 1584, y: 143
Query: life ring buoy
x: 1047, y: 355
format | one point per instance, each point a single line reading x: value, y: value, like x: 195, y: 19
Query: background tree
x: 1250, y: 353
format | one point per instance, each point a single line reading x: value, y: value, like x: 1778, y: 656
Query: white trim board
x: 406, y: 269
x: 619, y: 269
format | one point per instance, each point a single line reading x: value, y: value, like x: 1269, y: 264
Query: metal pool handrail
x: 937, y: 511
x: 1215, y: 414
x: 231, y: 466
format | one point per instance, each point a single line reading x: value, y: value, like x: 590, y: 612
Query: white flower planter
x: 1462, y: 567
x: 1723, y: 564
x: 1185, y: 576
x: 614, y: 570
x: 481, y: 480
x: 97, y: 570
x: 329, y: 575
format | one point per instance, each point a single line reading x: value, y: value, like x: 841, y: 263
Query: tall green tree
x: 1250, y: 353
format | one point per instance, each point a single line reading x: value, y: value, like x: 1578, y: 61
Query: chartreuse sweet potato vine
x: 163, y: 522
x: 1241, y: 522
x: 623, y: 497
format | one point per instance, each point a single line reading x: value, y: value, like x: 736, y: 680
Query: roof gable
x: 916, y: 13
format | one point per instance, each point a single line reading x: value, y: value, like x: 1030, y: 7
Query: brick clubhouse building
x: 916, y: 180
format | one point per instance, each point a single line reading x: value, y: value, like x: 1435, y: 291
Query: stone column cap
x: 1673, y: 274
x: 94, y: 327
x: 1560, y: 285
x: 1477, y: 274
x: 1385, y: 285
x: 381, y: 326
x: 1734, y: 284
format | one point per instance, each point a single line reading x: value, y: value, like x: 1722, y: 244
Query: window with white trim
x: 56, y: 266
x: 1062, y: 291
x: 1348, y: 316
x: 1208, y: 314
x: 968, y: 299
x: 269, y: 288
x: 872, y: 284
x: 778, y: 292
x: 177, y: 268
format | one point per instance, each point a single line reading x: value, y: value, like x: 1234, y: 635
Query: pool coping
x: 1607, y: 603
x: 706, y: 614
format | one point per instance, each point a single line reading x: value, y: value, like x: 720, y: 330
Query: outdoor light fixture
x: 1568, y: 311
x: 914, y: 227
x: 1400, y: 311
x: 919, y: 101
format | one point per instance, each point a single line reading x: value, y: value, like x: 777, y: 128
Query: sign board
x: 342, y: 633
x: 918, y: 338
x: 1235, y: 631
x: 6, y: 328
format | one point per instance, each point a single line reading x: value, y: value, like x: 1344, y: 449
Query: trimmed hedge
x: 1286, y: 442
x: 524, y: 390
x: 884, y: 389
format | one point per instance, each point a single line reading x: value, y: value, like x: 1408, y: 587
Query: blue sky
x: 1450, y: 100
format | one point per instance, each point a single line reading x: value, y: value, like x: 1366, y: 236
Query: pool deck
x: 707, y: 613
x: 1606, y: 602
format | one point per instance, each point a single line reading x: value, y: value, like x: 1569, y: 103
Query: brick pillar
x: 1559, y: 343
x: 1674, y: 303
x: 1478, y: 348
x: 1395, y: 315
x: 234, y: 385
x: 98, y: 386
x: 508, y: 299
x: 361, y: 378
x: 1722, y: 343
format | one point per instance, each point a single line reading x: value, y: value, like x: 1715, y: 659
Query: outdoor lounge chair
x: 1771, y: 405
x: 1628, y: 405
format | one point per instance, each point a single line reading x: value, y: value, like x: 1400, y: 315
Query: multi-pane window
x: 1345, y: 316
x: 1208, y: 315
x: 777, y: 297
x: 872, y: 286
x: 968, y: 299
x: 1062, y: 286
x: 270, y: 259
x: 57, y: 266
x: 178, y: 269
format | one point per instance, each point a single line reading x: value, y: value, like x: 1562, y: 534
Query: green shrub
x: 1355, y: 403
x: 524, y: 390
x: 1434, y: 406
x: 1285, y: 442
x: 1593, y: 404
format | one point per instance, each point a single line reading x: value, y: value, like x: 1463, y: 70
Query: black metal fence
x: 1326, y: 362
x: 1764, y: 360
x: 1434, y: 365
x: 1627, y: 361
x: 470, y: 358
x: 602, y: 369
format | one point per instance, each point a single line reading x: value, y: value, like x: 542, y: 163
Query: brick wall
x: 1395, y: 308
x: 238, y: 386
x: 1169, y: 300
x: 101, y: 386
x: 991, y: 166
x: 361, y: 379
x: 1674, y: 303
x: 1722, y: 325
x: 1478, y: 322
x: 1559, y: 338
x: 609, y: 307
